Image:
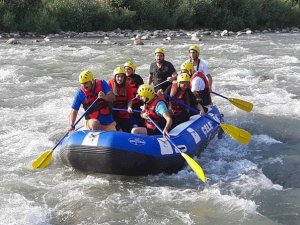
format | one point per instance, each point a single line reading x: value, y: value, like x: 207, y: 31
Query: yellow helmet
x: 159, y: 50
x: 183, y: 77
x: 195, y: 48
x: 189, y: 66
x: 131, y: 65
x: 86, y: 76
x: 146, y: 91
x: 119, y: 70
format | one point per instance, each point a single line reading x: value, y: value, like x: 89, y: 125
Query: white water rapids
x: 258, y: 183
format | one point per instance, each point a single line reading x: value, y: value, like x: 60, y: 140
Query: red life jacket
x: 101, y: 107
x: 133, y: 85
x: 181, y: 97
x: 204, y: 94
x: 121, y: 101
x: 132, y: 80
x: 150, y: 109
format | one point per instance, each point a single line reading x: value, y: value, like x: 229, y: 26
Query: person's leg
x: 92, y: 124
x: 151, y: 132
x: 125, y: 125
x: 139, y: 130
x: 118, y: 122
x: 110, y: 127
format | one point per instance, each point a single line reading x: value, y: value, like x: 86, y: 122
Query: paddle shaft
x: 192, y: 163
x: 160, y: 130
x: 74, y: 125
x: 45, y: 158
x: 153, y: 87
x: 120, y: 109
x: 236, y: 133
x: 161, y: 83
x: 189, y: 107
x: 219, y: 95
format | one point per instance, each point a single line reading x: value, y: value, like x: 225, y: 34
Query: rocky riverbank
x: 137, y: 36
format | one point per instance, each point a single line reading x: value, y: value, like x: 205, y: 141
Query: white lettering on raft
x: 206, y: 128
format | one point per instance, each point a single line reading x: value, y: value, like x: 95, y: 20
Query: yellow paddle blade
x: 242, y: 104
x: 195, y: 166
x: 236, y: 133
x: 43, y: 161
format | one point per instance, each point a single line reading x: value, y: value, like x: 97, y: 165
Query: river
x: 258, y: 183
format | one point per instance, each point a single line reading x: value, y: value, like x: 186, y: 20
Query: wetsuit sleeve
x: 78, y: 100
x: 161, y: 108
x: 105, y: 87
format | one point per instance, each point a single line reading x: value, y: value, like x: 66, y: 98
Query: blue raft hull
x: 123, y: 153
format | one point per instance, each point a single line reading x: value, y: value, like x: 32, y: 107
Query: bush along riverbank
x: 54, y: 16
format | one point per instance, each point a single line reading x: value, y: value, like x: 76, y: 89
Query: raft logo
x: 136, y: 141
x: 206, y: 128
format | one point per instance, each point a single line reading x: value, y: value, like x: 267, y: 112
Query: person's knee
x: 93, y: 124
x: 139, y: 130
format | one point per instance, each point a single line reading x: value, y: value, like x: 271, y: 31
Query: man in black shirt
x: 161, y: 71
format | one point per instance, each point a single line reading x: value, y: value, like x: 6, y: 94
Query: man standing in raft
x: 199, y: 64
x: 99, y: 116
x: 161, y: 70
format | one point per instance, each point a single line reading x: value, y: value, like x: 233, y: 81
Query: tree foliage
x: 87, y: 15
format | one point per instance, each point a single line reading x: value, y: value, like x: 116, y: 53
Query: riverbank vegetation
x: 47, y: 16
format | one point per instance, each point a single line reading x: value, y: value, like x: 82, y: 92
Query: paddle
x: 192, y: 163
x: 120, y: 109
x: 45, y: 159
x: 161, y: 83
x: 242, y: 104
x: 235, y: 133
x: 153, y: 87
x: 195, y: 167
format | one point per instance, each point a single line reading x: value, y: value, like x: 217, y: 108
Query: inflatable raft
x: 115, y: 152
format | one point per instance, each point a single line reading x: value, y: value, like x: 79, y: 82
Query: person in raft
x: 181, y: 95
x: 161, y: 72
x: 156, y: 108
x: 123, y: 99
x: 199, y: 64
x: 99, y: 116
x: 135, y: 81
x: 199, y: 85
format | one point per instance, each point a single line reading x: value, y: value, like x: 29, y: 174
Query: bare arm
x: 129, y: 106
x: 169, y: 123
x: 72, y: 118
x: 201, y: 110
x: 150, y: 78
x: 172, y: 77
x: 209, y: 81
x: 109, y: 97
